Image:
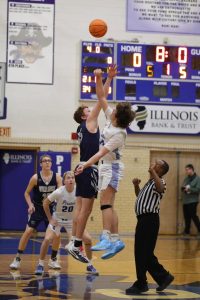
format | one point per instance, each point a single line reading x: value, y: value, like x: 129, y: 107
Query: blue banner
x: 16, y: 169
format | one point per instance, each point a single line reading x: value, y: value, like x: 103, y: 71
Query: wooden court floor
x: 180, y: 256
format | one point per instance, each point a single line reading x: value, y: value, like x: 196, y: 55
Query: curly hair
x: 124, y: 114
x: 79, y: 113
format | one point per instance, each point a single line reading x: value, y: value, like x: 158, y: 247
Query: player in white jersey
x: 63, y: 218
x: 111, y: 168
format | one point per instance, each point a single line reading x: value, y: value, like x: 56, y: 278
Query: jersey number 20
x: 66, y: 208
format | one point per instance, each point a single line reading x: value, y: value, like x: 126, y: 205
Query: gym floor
x: 179, y: 255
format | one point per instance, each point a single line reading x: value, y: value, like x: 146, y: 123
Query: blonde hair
x: 68, y: 173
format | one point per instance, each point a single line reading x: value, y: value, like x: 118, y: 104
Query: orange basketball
x: 98, y: 28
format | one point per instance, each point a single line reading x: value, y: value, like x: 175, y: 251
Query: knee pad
x: 105, y: 206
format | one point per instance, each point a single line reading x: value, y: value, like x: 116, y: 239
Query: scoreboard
x: 146, y: 73
x: 95, y: 55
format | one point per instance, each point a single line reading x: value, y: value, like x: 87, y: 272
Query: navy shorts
x: 87, y: 183
x: 39, y: 216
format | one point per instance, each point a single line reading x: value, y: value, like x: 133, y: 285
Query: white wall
x: 45, y: 111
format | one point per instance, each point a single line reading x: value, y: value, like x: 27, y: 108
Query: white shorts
x: 110, y: 174
x: 61, y: 224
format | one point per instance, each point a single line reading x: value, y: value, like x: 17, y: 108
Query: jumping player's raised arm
x: 92, y: 120
x: 102, y: 93
x: 112, y: 72
x: 102, y: 90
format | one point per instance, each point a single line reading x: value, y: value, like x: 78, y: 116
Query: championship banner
x: 30, y: 41
x: 61, y: 161
x: 170, y: 16
x: 166, y: 119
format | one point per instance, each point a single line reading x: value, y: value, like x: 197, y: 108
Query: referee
x: 147, y: 211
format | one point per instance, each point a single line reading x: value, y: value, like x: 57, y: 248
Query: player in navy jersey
x: 42, y: 184
x: 87, y: 182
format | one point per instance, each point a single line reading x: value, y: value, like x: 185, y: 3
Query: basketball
x: 98, y: 28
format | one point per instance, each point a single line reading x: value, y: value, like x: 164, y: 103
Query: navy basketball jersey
x: 42, y: 189
x: 89, y: 142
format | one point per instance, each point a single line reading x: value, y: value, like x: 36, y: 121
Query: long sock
x: 78, y: 242
x: 54, y: 254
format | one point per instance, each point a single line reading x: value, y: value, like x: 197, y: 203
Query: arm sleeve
x: 54, y: 196
x: 116, y: 141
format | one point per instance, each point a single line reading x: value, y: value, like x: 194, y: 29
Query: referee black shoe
x: 169, y: 278
x: 135, y: 289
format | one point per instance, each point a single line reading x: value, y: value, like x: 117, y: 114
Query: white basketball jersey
x: 113, y: 138
x: 65, y: 203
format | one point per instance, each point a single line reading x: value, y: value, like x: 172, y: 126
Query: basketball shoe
x: 54, y: 264
x: 104, y: 243
x: 115, y: 247
x: 39, y: 270
x: 76, y: 252
x: 15, y: 265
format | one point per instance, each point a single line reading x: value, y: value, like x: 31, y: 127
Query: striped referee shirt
x: 148, y: 199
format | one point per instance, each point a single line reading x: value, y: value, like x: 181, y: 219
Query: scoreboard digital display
x: 166, y: 62
x: 95, y: 55
x: 146, y: 73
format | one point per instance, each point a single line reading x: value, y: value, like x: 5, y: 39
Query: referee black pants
x: 145, y: 241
